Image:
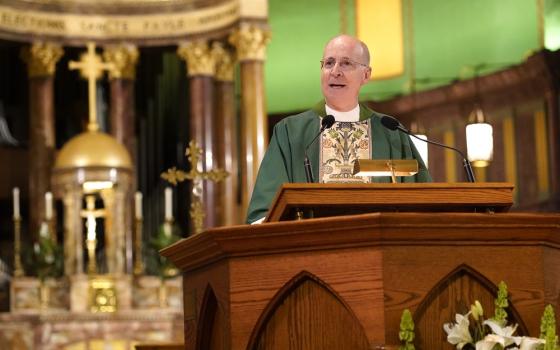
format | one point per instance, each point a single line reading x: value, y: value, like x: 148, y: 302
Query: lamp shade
x: 480, y: 144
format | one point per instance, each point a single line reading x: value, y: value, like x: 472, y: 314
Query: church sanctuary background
x: 128, y: 124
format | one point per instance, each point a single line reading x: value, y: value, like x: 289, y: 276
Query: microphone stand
x: 466, y: 163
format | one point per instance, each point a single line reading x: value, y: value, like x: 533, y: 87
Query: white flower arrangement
x: 489, y: 334
x: 494, y: 333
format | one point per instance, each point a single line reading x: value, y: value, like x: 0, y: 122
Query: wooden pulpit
x: 342, y: 282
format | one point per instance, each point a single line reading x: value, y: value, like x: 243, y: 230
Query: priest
x: 356, y: 134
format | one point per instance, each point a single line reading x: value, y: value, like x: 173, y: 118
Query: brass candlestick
x: 18, y: 269
x: 138, y: 264
x: 52, y: 230
x: 92, y: 264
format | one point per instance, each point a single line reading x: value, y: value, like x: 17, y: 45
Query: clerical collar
x: 350, y: 116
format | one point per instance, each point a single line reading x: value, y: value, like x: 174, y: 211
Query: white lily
x: 528, y: 343
x: 490, y: 341
x: 505, y: 332
x: 458, y: 334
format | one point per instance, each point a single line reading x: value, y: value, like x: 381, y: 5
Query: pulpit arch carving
x: 325, y: 298
x: 453, y: 294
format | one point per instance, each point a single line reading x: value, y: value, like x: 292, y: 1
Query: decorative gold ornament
x: 102, y: 295
x: 250, y: 42
x: 91, y: 68
x: 174, y: 176
x: 138, y: 264
x: 41, y: 59
x: 198, y: 57
x: 224, y: 60
x: 124, y: 59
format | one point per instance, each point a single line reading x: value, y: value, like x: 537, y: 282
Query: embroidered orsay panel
x: 341, y: 145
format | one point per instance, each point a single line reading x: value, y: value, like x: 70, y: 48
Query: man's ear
x: 367, y: 75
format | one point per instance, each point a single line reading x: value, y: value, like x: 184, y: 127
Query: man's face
x: 344, y: 72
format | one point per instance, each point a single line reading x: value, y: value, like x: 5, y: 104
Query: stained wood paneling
x: 311, y: 317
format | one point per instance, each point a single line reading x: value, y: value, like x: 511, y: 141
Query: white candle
x: 138, y: 205
x: 48, y: 206
x: 16, y: 203
x: 168, y: 204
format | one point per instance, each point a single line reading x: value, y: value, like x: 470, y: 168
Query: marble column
x: 250, y: 43
x: 226, y: 134
x: 201, y: 71
x: 41, y: 59
x: 124, y: 59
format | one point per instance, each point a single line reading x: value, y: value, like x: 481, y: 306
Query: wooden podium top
x: 343, y: 199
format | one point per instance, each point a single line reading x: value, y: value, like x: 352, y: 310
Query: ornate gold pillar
x: 201, y: 70
x: 250, y: 42
x: 226, y: 134
x: 124, y: 58
x: 41, y: 59
x: 73, y: 232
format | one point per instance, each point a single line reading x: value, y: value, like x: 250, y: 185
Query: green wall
x: 449, y: 38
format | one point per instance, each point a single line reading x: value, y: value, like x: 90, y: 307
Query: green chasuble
x: 283, y: 161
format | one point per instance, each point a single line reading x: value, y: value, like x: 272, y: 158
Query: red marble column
x: 226, y: 136
x: 41, y: 62
x: 122, y: 112
x: 122, y: 120
x: 201, y: 70
x: 250, y: 42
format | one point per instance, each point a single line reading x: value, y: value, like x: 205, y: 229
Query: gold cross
x: 90, y: 213
x: 174, y: 176
x: 91, y: 68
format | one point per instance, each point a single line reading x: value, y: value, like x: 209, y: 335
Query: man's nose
x: 336, y: 69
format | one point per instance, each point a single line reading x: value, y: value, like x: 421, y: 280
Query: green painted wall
x: 449, y: 37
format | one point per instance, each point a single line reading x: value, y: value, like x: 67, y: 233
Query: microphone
x: 326, y: 123
x: 393, y: 124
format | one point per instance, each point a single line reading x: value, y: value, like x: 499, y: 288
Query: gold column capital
x: 224, y: 60
x: 250, y: 42
x: 199, y: 58
x: 41, y: 59
x: 124, y: 59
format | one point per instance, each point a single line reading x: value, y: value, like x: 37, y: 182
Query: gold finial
x: 41, y: 59
x: 250, y: 42
x: 224, y: 62
x: 91, y: 67
x: 199, y: 58
x: 173, y: 176
x: 124, y: 58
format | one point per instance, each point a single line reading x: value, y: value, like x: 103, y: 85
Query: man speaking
x: 357, y: 133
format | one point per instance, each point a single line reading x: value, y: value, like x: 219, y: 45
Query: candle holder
x: 52, y: 230
x: 92, y: 264
x: 138, y: 264
x: 18, y: 267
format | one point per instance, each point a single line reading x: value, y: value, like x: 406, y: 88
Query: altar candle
x: 138, y: 205
x: 48, y: 206
x: 168, y: 205
x: 16, y: 203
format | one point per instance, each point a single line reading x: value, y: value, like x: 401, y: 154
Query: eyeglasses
x: 344, y: 64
